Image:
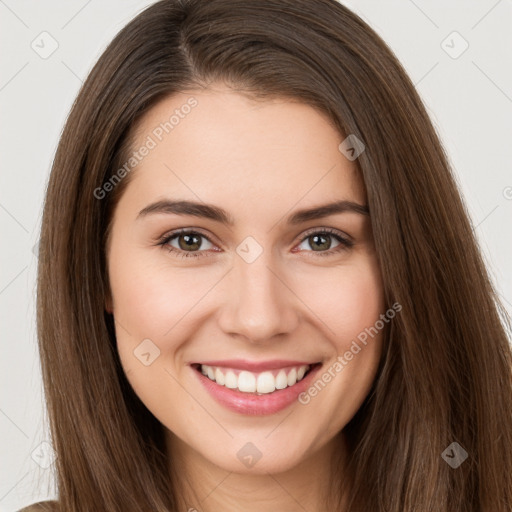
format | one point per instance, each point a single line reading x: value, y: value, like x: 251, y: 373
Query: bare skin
x: 300, y: 299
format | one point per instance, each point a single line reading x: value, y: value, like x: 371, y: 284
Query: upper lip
x: 255, y: 366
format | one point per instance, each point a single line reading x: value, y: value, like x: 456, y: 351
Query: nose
x: 258, y: 304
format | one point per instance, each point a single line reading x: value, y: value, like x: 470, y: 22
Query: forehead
x: 222, y: 147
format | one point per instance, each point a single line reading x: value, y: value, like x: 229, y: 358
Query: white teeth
x: 248, y: 382
x: 231, y: 380
x: 281, y: 380
x: 292, y: 377
x: 219, y: 377
x: 266, y: 383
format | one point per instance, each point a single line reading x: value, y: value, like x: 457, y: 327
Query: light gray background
x: 469, y: 98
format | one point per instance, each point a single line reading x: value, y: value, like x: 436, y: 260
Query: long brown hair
x: 446, y: 370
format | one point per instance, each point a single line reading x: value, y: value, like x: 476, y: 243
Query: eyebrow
x: 210, y: 211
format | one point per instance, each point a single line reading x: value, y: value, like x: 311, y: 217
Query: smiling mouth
x: 255, y: 383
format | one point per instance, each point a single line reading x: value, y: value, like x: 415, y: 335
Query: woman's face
x: 260, y: 300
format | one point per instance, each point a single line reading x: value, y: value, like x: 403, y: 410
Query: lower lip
x: 252, y: 404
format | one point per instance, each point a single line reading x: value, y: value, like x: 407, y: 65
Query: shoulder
x: 42, y: 506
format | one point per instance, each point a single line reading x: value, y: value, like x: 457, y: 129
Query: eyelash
x: 345, y: 243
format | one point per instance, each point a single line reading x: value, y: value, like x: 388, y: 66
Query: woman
x: 260, y: 288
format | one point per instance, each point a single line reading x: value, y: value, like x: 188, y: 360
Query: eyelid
x: 346, y: 241
x: 179, y: 231
x: 330, y: 231
x: 303, y: 235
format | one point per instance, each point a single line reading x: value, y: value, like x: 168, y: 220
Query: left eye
x: 189, y: 243
x: 321, y: 239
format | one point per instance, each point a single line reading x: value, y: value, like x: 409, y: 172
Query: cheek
x: 361, y: 304
x: 351, y: 310
x: 346, y: 300
x: 154, y: 302
x: 148, y: 302
x: 151, y: 300
x: 361, y: 343
x: 150, y: 297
